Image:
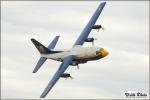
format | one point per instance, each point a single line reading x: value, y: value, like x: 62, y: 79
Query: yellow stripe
x: 87, y: 57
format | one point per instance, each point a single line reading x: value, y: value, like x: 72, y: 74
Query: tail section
x: 43, y: 50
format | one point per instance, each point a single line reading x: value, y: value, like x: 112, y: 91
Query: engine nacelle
x: 65, y: 75
x: 96, y: 27
x: 74, y: 63
x: 89, y: 40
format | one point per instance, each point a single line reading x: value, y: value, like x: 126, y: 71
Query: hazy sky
x: 126, y: 37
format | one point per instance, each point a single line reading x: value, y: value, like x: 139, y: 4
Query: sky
x: 126, y: 38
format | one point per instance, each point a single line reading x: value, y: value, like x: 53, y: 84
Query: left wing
x: 89, y: 26
x: 64, y: 65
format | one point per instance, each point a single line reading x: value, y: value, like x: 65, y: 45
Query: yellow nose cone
x: 103, y: 53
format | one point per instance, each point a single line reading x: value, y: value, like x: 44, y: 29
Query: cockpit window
x: 97, y: 52
x: 100, y: 49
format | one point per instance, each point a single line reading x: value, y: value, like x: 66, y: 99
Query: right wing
x: 81, y: 39
x: 42, y: 59
x: 64, y: 65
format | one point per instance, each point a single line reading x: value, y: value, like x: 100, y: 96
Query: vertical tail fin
x: 42, y: 49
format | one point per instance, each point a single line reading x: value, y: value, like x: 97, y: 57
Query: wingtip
x: 58, y: 36
x: 42, y: 96
x: 34, y: 72
x: 32, y: 39
x: 103, y: 3
x: 46, y: 91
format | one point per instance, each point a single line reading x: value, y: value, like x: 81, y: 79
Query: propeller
x: 93, y: 43
x: 70, y: 77
x: 94, y: 40
x: 100, y: 28
x: 78, y: 67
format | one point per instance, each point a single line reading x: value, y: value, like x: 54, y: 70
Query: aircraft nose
x: 104, y: 53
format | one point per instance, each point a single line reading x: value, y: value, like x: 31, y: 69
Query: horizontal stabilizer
x: 53, y: 43
x: 39, y: 64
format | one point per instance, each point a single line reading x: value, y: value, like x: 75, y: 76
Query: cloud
x: 126, y: 68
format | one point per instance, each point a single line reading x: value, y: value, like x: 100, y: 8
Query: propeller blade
x: 71, y: 77
x: 93, y: 43
x: 78, y: 67
x: 95, y: 38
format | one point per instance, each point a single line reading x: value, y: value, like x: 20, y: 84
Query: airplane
x: 74, y: 56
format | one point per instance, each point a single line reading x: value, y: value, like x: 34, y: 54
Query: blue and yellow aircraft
x: 74, y: 56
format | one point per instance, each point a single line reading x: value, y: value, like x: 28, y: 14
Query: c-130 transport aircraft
x: 74, y: 56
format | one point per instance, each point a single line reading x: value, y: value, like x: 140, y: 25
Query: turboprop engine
x: 98, y: 27
x: 66, y: 75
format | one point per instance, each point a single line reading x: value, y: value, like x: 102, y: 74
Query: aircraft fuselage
x: 82, y: 54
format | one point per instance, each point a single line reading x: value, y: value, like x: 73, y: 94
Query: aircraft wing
x: 64, y: 65
x: 81, y: 39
